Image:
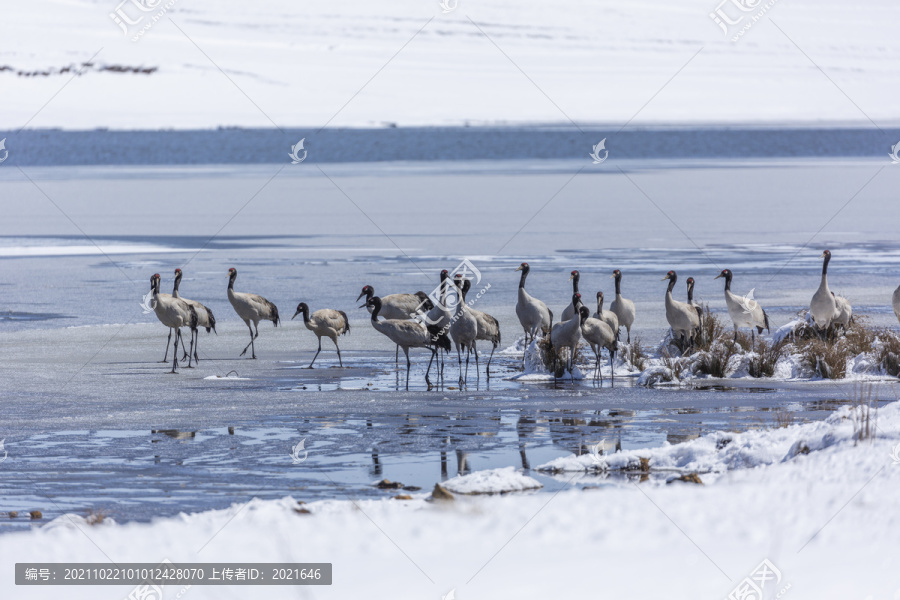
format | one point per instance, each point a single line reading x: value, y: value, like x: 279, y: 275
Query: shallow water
x: 91, y: 420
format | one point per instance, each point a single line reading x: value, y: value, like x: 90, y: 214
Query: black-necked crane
x: 464, y: 331
x: 683, y: 318
x: 169, y: 340
x: 623, y: 307
x: 533, y: 314
x: 690, y: 291
x: 566, y: 334
x: 608, y: 316
x: 251, y: 308
x: 325, y: 322
x: 205, y: 316
x: 396, y: 306
x: 744, y: 311
x: 438, y: 318
x: 488, y: 327
x: 570, y: 311
x: 822, y: 307
x: 406, y: 334
x: 173, y: 313
x: 599, y: 334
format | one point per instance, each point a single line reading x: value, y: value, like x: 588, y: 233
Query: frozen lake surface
x: 91, y: 421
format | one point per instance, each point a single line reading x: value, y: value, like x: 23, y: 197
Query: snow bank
x: 823, y: 509
x: 718, y: 452
x: 492, y: 481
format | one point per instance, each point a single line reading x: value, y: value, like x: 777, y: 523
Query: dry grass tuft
x: 767, y: 355
x: 826, y: 359
x: 95, y: 517
x: 714, y: 362
x: 888, y: 353
x: 864, y: 401
x: 639, y: 356
x: 675, y: 364
x: 783, y: 418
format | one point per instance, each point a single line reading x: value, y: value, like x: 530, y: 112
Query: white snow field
x: 826, y: 520
x: 207, y: 63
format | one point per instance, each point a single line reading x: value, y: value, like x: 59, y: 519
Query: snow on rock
x: 492, y: 481
x: 656, y: 375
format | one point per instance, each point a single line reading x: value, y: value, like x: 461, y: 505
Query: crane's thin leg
x: 191, y: 350
x: 340, y: 361
x: 428, y: 370
x: 317, y: 354
x: 612, y: 366
x: 406, y: 352
x: 487, y: 371
x: 475, y: 350
x: 628, y: 329
x: 735, y: 334
x: 247, y: 347
x: 397, y: 356
x: 468, y: 352
x: 175, y: 356
x: 196, y: 344
x: 459, y: 358
x: 168, y: 343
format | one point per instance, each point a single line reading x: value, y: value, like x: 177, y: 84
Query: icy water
x: 91, y: 420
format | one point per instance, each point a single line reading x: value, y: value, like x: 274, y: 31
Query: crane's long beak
x: 666, y: 277
x: 823, y: 255
x: 717, y: 276
x: 362, y: 305
x: 360, y: 296
x: 519, y: 268
x: 612, y: 276
x: 571, y: 277
x: 295, y: 314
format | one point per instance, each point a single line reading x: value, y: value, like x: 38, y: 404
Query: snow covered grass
x: 492, y: 481
x: 794, y: 351
x: 817, y: 502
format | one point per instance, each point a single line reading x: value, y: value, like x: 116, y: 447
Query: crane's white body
x: 895, y: 302
x: 599, y: 334
x: 464, y: 331
x: 251, y: 308
x: 405, y: 334
x: 682, y: 317
x: 325, y: 322
x: 175, y: 314
x: 567, y: 334
x: 623, y: 308
x: 533, y: 314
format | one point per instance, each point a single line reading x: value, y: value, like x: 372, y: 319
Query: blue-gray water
x: 91, y: 418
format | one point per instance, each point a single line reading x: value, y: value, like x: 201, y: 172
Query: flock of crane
x: 415, y: 321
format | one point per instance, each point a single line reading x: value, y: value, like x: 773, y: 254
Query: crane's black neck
x: 177, y: 283
x: 467, y: 285
x: 825, y: 265
x: 376, y: 308
x: 600, y: 304
x: 672, y: 281
x: 690, y: 293
x: 618, y: 284
x: 522, y: 279
x: 575, y: 279
x: 728, y: 281
x: 231, y: 282
x: 305, y: 311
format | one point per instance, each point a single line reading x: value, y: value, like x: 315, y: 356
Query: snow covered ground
x: 821, y: 506
x: 208, y: 63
